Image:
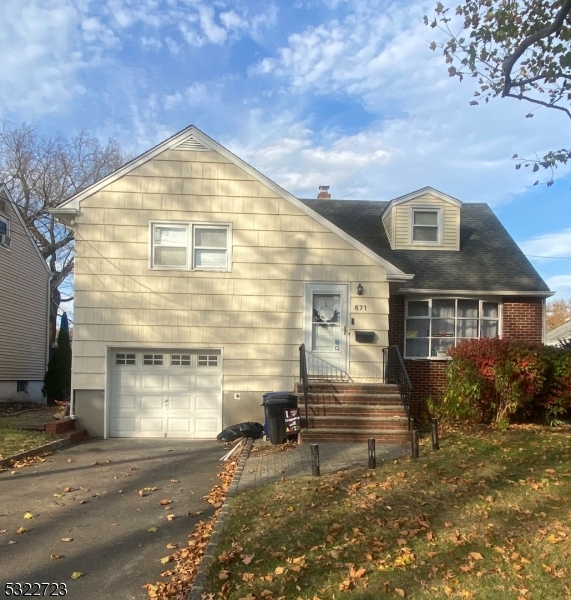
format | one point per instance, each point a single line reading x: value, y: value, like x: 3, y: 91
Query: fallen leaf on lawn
x: 357, y: 573
x: 166, y: 559
x: 246, y: 558
x: 171, y: 517
x: 476, y: 556
x: 223, y: 574
x: 171, y: 546
x: 66, y: 539
x: 76, y: 575
x: 399, y: 592
x: 21, y: 530
x: 152, y: 529
x: 247, y: 576
x: 279, y: 570
x: 55, y: 556
x: 28, y: 515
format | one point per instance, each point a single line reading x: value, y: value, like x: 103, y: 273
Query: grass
x: 13, y: 440
x: 485, y: 517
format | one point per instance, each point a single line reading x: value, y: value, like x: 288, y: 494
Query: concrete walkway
x: 263, y: 468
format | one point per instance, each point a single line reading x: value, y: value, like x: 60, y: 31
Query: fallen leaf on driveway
x: 94, y: 464
x: 175, y: 480
x: 2, y: 531
x: 66, y: 539
x: 67, y: 490
x: 171, y: 517
x: 70, y: 460
x: 55, y: 556
x: 76, y: 575
x: 191, y: 513
x: 165, y: 501
x: 152, y: 529
x: 12, y: 542
x: 166, y: 559
x: 28, y: 515
x: 171, y: 546
x: 58, y: 495
x: 21, y: 530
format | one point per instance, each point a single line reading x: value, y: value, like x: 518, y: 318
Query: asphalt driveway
x: 104, y: 514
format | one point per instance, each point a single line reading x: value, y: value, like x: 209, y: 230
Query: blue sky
x: 343, y: 93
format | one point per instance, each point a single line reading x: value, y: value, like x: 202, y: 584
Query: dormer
x: 423, y: 220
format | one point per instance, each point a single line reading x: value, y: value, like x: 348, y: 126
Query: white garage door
x: 157, y: 393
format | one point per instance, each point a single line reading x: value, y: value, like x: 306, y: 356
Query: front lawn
x: 485, y: 517
x: 13, y: 441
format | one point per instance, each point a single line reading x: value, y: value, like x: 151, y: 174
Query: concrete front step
x: 74, y: 436
x: 385, y: 436
x: 59, y: 426
x: 355, y: 410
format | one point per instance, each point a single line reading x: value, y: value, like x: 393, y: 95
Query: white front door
x: 326, y: 333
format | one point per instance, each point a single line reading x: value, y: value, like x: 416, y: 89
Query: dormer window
x: 426, y: 226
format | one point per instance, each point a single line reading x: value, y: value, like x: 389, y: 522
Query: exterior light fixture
x: 359, y: 290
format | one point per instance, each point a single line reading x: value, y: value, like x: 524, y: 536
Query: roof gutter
x: 536, y: 294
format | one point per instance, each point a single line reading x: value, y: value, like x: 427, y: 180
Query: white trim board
x: 73, y: 204
x: 476, y: 293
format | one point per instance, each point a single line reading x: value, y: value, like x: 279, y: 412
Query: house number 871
x: 360, y: 307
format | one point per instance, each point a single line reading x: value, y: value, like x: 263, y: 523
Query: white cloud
x: 561, y: 284
x: 556, y: 244
x: 151, y: 43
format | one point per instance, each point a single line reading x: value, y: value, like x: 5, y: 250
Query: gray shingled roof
x: 488, y: 260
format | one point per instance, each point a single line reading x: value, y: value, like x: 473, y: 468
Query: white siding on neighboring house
x: 24, y: 281
x: 254, y: 313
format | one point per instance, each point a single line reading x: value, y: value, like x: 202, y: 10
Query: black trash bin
x: 274, y: 405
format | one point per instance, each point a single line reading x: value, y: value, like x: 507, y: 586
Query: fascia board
x: 4, y: 189
x: 425, y: 190
x: 210, y: 143
x: 541, y: 294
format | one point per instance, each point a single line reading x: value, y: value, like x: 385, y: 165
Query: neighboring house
x: 197, y: 278
x: 24, y: 298
x: 559, y: 334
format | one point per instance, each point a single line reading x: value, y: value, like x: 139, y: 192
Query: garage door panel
x: 206, y: 428
x: 151, y: 403
x: 180, y: 382
x: 166, y: 399
x: 207, y: 381
x: 152, y: 382
x: 206, y: 403
x: 180, y: 403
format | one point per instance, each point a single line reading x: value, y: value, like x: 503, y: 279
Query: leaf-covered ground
x: 485, y: 517
x: 13, y: 440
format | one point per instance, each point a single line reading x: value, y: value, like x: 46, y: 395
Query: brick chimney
x: 323, y: 193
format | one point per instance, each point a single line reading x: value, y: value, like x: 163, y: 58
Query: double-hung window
x: 435, y: 325
x: 191, y: 246
x: 426, y: 226
x: 4, y: 232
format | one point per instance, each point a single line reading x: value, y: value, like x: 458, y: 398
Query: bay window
x: 435, y: 325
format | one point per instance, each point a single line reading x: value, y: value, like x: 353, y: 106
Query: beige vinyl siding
x: 23, y: 298
x: 253, y: 313
x: 388, y: 224
x: 450, y: 222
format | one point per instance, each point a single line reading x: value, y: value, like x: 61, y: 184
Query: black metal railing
x: 395, y: 372
x: 303, y: 377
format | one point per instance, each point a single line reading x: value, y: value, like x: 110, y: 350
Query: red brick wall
x: 522, y: 319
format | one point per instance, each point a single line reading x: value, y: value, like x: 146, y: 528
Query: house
x: 559, y: 334
x: 24, y: 298
x: 197, y: 279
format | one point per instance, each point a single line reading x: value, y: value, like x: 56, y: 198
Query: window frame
x: 191, y: 227
x: 455, y: 337
x: 6, y: 221
x: 439, y: 225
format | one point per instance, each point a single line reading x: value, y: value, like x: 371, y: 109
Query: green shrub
x: 57, y: 380
x: 493, y: 380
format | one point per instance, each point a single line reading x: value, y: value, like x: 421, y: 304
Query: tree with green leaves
x: 515, y: 49
x: 57, y: 380
x: 41, y: 172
